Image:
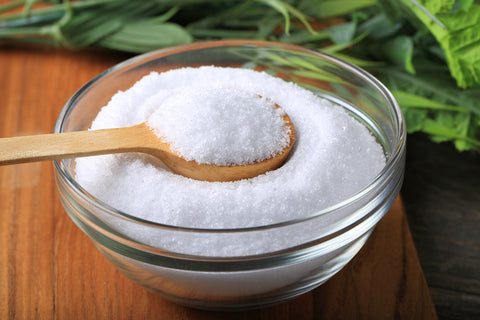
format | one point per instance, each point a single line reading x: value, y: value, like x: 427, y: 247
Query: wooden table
x: 441, y: 194
x: 50, y: 269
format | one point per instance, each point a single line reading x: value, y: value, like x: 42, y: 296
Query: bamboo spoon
x: 138, y: 138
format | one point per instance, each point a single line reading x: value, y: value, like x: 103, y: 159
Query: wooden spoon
x: 138, y: 138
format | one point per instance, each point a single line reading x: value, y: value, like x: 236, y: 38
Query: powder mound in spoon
x: 220, y: 126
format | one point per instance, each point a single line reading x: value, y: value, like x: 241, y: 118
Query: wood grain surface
x: 442, y: 200
x: 49, y: 269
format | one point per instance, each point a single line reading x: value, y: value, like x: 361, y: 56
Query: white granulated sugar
x: 219, y: 126
x: 334, y: 155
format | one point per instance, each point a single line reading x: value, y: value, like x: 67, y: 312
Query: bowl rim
x: 393, y: 158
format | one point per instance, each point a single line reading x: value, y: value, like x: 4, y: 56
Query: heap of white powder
x: 334, y: 156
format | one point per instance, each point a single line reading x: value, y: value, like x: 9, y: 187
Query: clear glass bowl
x: 328, y: 238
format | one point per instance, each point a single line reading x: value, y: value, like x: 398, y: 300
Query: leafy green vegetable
x: 457, y: 31
x: 427, y: 52
x: 429, y: 96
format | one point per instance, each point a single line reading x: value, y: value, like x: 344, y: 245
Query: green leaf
x: 300, y: 16
x: 142, y: 37
x: 462, y: 5
x: 414, y: 119
x: 409, y: 100
x: 282, y: 8
x: 334, y: 8
x: 379, y: 27
x: 400, y: 51
x: 343, y: 33
x: 436, y: 6
x: 463, y: 121
x: 458, y: 33
x: 440, y: 133
x: 341, y: 46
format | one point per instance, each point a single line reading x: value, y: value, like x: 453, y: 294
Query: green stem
x: 434, y: 128
x: 224, y: 34
x: 55, y: 9
x: 24, y: 32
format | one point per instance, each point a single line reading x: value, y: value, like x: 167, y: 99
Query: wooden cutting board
x: 49, y: 269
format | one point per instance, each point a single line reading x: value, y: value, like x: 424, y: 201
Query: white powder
x: 219, y: 126
x: 334, y: 155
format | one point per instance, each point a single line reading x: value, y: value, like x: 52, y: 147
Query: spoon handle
x: 57, y: 146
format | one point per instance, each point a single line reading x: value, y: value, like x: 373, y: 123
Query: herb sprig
x: 426, y: 52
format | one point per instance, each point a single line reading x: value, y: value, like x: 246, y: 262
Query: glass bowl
x: 327, y: 239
